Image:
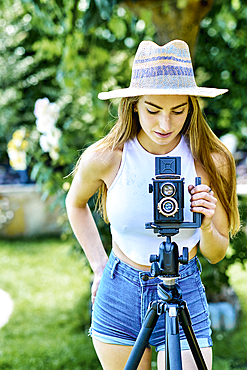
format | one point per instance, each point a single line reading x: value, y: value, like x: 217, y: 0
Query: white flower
x: 54, y: 154
x: 18, y: 141
x: 50, y: 143
x: 47, y: 115
x: 16, y: 149
x: 45, y: 124
x: 54, y: 136
x: 41, y: 105
x: 19, y: 134
x: 17, y: 159
x: 44, y: 143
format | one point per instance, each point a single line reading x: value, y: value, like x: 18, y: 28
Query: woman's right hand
x: 95, y: 285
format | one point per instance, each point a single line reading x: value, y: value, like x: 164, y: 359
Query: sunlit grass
x: 49, y: 285
x: 230, y: 348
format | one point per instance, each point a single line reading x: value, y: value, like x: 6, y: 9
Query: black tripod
x: 166, y: 266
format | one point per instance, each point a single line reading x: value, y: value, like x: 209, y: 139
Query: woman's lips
x: 161, y: 135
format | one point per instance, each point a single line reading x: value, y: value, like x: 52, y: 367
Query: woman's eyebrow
x: 181, y: 105
x: 156, y: 106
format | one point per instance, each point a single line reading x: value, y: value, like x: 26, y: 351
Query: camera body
x: 168, y: 190
x: 168, y: 212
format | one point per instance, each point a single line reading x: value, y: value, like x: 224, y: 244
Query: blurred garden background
x: 55, y: 57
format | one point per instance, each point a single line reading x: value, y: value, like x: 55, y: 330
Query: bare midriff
x: 119, y: 254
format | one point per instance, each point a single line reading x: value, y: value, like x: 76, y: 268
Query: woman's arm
x: 214, y: 229
x: 92, y: 172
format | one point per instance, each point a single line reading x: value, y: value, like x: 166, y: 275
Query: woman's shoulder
x: 99, y: 155
x: 101, y: 162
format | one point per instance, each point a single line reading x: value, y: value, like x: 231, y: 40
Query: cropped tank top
x: 130, y: 205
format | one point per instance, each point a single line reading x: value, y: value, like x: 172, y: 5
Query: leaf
x: 166, y: 8
x: 181, y: 4
x: 236, y: 4
x: 118, y: 27
x: 35, y: 171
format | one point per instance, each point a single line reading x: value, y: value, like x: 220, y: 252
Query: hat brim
x: 206, y: 92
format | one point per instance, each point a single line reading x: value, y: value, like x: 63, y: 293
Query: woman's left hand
x: 204, y: 202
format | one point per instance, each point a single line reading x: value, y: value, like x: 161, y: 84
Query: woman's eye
x: 178, y: 112
x: 152, y: 112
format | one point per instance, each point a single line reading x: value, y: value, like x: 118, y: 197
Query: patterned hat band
x: 162, y: 70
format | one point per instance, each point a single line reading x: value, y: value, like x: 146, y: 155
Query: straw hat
x: 162, y: 70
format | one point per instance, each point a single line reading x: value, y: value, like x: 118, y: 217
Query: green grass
x: 50, y: 286
x: 230, y: 348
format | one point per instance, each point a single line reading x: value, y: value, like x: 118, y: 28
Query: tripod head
x: 166, y: 264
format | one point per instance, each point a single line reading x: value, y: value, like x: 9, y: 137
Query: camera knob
x: 155, y: 269
x: 153, y: 258
x: 184, y: 259
x: 150, y: 188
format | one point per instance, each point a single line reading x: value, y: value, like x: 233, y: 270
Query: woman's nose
x: 165, y: 123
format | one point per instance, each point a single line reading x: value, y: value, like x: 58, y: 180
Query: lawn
x: 50, y: 286
x: 230, y: 348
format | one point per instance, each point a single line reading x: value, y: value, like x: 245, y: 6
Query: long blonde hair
x: 204, y: 144
x: 206, y: 148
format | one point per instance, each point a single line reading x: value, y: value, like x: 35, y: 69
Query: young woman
x: 159, y: 115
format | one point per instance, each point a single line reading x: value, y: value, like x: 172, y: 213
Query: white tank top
x: 130, y: 205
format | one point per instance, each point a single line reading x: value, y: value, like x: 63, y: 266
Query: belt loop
x: 114, y: 266
x: 199, y: 265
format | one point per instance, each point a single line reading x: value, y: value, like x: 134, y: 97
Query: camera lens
x: 167, y: 189
x: 168, y: 206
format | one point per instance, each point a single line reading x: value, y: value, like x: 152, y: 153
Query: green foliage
x: 220, y: 61
x: 221, y: 56
x: 216, y: 276
x: 53, y: 58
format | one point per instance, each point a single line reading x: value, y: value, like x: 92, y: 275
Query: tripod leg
x: 173, y: 349
x: 142, y: 340
x: 186, y: 324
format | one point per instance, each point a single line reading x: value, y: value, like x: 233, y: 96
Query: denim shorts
x: 123, y: 297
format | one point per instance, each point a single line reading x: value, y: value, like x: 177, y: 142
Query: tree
x: 174, y: 19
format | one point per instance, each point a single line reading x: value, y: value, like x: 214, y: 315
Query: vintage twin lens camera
x: 168, y: 190
x: 168, y: 196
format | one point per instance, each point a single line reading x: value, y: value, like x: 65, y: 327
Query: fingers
x: 96, y: 281
x: 200, y: 189
x: 202, y: 200
x: 95, y: 286
x: 94, y: 292
x: 93, y: 296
